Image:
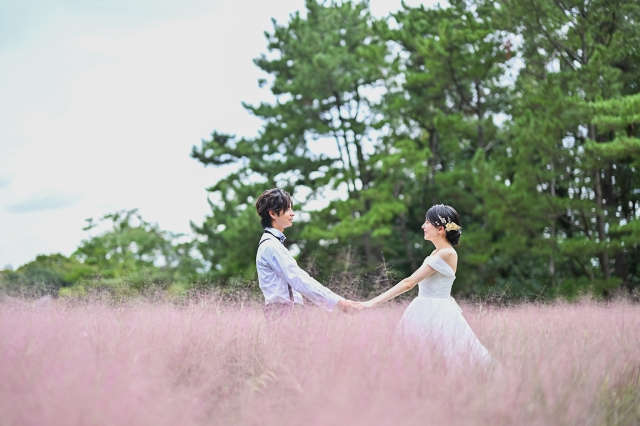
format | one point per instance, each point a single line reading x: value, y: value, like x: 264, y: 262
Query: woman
x: 433, y: 319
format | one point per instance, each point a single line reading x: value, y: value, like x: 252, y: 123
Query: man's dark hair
x: 276, y: 200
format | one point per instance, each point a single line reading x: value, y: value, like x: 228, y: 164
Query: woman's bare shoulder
x: 448, y: 252
x: 450, y: 256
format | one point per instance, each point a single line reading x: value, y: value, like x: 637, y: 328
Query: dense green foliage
x: 522, y: 115
x: 139, y: 250
x: 45, y: 275
x: 123, y: 253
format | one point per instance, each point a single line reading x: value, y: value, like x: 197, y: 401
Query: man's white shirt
x: 276, y: 267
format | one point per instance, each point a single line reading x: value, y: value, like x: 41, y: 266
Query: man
x: 281, y: 280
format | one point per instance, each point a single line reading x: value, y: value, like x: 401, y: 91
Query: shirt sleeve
x: 286, y: 266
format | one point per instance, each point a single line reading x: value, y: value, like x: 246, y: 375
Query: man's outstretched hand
x: 348, y: 306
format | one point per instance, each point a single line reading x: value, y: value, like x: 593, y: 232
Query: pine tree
x: 324, y: 69
x: 621, y: 118
x: 453, y: 61
x: 564, y: 202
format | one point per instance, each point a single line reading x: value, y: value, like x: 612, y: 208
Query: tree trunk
x: 552, y: 263
x: 405, y: 240
x: 368, y: 249
x: 602, y: 236
x: 622, y: 268
x: 480, y: 112
x: 374, y: 256
x: 433, y: 162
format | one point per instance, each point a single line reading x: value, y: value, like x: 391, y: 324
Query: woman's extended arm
x: 403, y: 286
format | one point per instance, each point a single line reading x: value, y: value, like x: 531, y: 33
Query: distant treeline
x: 524, y: 116
x: 124, y: 255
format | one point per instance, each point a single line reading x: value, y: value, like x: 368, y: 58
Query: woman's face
x: 430, y: 231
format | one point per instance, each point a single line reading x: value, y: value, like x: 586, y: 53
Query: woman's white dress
x: 434, y: 321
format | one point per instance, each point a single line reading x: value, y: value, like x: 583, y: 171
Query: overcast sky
x: 102, y: 100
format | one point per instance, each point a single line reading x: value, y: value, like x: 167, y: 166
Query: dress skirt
x: 437, y: 324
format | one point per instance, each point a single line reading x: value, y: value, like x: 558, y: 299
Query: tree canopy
x: 523, y: 116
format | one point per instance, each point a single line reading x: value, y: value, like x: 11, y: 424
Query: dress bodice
x: 439, y: 284
x: 434, y: 322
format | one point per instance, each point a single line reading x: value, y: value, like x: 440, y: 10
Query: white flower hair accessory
x: 452, y: 227
x: 448, y: 225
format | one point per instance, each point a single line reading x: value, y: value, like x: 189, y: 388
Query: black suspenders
x: 288, y: 285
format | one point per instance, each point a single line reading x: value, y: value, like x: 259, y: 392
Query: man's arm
x: 286, y: 266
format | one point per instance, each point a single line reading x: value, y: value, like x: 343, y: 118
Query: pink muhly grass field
x: 207, y: 363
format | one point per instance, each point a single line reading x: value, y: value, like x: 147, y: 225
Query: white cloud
x: 5, y: 180
x: 44, y: 200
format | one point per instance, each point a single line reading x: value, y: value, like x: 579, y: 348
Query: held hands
x: 351, y: 307
x: 348, y: 306
x: 366, y: 305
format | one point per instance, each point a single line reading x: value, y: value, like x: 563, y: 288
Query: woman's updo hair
x: 447, y: 216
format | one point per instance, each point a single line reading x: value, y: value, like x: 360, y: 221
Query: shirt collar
x: 279, y: 235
